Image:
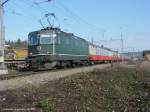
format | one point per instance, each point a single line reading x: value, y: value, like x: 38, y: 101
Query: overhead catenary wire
x: 71, y: 16
x: 37, y: 4
x: 45, y: 11
x: 64, y: 11
x: 4, y: 3
x: 73, y: 20
x: 26, y: 15
x: 66, y: 18
x: 67, y: 12
x: 80, y: 20
x: 77, y: 16
x: 29, y: 16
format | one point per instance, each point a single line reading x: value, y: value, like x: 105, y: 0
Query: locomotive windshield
x: 33, y: 40
x: 46, y: 39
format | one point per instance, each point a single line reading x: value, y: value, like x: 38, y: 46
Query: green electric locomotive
x: 51, y: 47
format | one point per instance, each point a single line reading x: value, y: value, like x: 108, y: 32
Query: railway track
x: 23, y: 74
x: 15, y: 74
x: 42, y: 77
x: 11, y: 76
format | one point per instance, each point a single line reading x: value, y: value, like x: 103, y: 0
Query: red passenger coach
x: 98, y: 53
x: 100, y: 58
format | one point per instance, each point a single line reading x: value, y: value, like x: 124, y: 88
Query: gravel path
x: 45, y: 77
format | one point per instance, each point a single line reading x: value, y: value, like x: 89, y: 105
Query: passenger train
x: 51, y: 47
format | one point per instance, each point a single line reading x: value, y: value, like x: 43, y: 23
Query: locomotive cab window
x: 33, y: 40
x: 47, y: 39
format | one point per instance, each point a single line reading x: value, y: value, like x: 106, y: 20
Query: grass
x: 109, y: 90
x: 44, y: 104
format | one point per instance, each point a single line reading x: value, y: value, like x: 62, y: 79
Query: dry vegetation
x: 114, y: 89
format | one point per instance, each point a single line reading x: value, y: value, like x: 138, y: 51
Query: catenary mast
x: 3, y: 69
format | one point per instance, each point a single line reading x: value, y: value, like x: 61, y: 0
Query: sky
x: 102, y: 21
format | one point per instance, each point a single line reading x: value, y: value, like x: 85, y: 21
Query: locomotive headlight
x: 30, y: 54
x: 38, y: 48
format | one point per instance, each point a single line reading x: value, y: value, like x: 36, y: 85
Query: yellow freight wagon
x: 20, y: 53
x: 15, y: 53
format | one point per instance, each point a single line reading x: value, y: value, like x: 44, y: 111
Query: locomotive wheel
x: 50, y: 65
x: 63, y: 64
x: 45, y: 66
